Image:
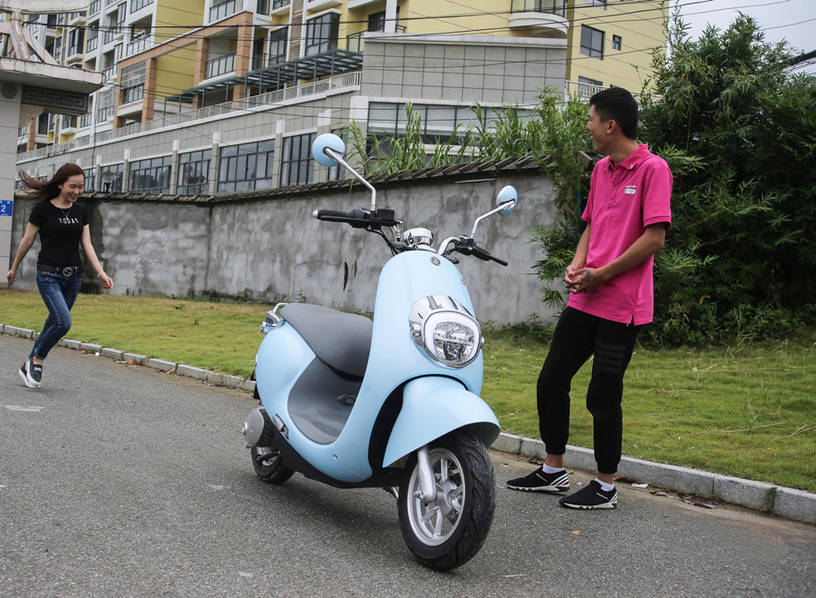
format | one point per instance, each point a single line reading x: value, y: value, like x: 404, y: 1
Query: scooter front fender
x: 433, y: 406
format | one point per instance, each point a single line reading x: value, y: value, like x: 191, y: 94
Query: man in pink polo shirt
x: 611, y: 297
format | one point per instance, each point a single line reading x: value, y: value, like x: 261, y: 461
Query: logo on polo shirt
x: 630, y: 189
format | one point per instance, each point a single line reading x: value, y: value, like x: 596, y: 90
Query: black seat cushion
x: 339, y: 339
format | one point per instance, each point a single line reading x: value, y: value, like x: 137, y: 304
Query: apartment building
x: 215, y: 96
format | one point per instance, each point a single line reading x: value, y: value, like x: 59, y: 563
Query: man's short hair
x: 617, y: 104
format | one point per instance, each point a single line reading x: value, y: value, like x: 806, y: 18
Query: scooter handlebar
x: 358, y: 218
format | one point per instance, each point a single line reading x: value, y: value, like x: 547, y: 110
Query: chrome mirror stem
x: 339, y: 158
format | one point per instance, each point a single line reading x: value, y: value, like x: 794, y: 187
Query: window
x: 277, y: 46
x: 139, y: 4
x: 133, y: 78
x: 296, y: 166
x: 262, y: 7
x: 247, y: 166
x: 592, y: 42
x: 194, y: 171
x: 90, y: 178
x: 76, y: 39
x: 321, y: 34
x: 616, y: 42
x: 150, y: 176
x: 111, y: 178
x: 438, y: 122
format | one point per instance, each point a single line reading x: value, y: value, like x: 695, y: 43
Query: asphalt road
x: 120, y: 481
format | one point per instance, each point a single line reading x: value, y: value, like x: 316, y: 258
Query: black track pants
x: 577, y: 336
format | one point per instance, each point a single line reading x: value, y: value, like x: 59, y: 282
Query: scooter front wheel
x: 449, y: 530
x: 267, y: 464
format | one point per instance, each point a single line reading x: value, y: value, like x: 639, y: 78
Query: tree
x: 739, y: 132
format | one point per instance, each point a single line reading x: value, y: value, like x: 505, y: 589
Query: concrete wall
x: 272, y: 249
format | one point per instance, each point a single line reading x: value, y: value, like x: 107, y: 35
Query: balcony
x: 92, y: 44
x: 361, y: 3
x: 113, y: 34
x: 356, y: 43
x: 94, y: 7
x: 547, y: 18
x: 280, y: 7
x: 138, y: 44
x: 224, y: 10
x: 219, y: 66
x: 109, y: 74
x: 314, y: 5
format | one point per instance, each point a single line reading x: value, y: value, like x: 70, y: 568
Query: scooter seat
x: 339, y: 339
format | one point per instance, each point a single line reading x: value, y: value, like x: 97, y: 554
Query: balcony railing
x: 219, y: 66
x: 278, y: 4
x: 356, y: 43
x: 223, y: 10
x: 351, y: 79
x: 110, y: 74
x: 92, y: 44
x: 556, y: 7
x: 138, y: 44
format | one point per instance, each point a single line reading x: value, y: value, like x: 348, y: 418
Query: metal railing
x: 219, y: 66
x: 92, y: 44
x: 170, y: 120
x: 276, y: 4
x: 556, y: 7
x: 110, y: 73
x: 356, y: 43
x: 223, y: 10
x: 138, y: 44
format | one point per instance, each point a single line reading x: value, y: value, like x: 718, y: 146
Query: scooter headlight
x: 446, y: 330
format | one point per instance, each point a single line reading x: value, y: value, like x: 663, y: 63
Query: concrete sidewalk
x: 789, y: 503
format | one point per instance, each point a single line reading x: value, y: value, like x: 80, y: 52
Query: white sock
x: 547, y: 469
x: 604, y: 486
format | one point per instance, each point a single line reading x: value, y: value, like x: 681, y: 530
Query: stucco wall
x: 272, y: 249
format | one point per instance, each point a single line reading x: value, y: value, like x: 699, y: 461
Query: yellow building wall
x: 175, y: 70
x: 641, y: 27
x: 176, y: 17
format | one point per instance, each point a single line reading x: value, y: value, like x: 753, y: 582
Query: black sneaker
x: 538, y: 481
x: 31, y: 373
x: 593, y: 496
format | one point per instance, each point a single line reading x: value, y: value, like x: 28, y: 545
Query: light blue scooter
x: 395, y: 404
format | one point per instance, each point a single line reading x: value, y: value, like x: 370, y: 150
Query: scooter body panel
x: 393, y: 360
x: 433, y: 406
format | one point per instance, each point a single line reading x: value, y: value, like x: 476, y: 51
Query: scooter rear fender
x: 433, y: 406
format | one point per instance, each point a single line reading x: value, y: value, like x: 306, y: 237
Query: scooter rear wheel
x: 267, y: 464
x: 450, y: 530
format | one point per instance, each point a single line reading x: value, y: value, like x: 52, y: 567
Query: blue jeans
x: 59, y: 293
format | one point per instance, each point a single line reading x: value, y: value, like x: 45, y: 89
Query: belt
x: 64, y: 270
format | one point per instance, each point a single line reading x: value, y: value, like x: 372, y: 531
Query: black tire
x: 469, y: 474
x: 268, y: 467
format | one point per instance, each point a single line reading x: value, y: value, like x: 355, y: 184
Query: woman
x: 62, y: 225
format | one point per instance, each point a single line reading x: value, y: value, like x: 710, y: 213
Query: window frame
x: 196, y: 164
x: 591, y: 50
x: 242, y: 159
x: 297, y: 169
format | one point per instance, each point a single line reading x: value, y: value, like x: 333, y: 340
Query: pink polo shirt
x: 624, y: 199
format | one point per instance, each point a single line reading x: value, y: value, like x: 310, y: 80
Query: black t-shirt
x: 60, y: 233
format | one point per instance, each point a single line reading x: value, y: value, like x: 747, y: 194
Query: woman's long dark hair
x: 47, y: 190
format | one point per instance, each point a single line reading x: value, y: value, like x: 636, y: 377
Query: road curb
x: 789, y: 503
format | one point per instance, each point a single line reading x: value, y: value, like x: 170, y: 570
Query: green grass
x: 747, y: 410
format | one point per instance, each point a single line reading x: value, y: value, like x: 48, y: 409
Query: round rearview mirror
x: 327, y: 141
x: 509, y: 196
